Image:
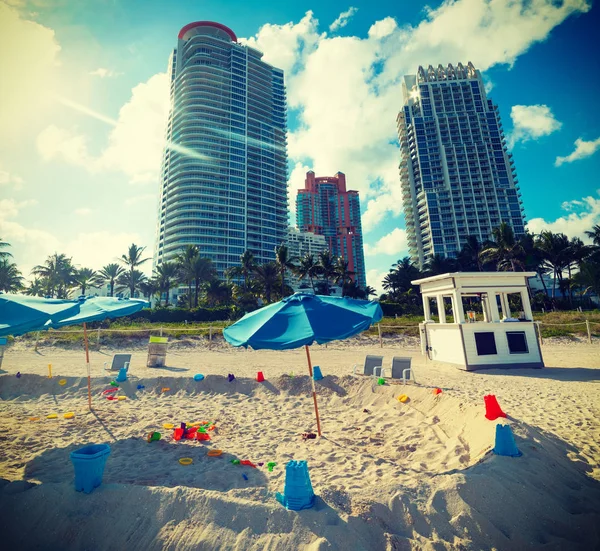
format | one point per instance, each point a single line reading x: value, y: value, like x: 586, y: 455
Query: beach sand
x: 387, y: 475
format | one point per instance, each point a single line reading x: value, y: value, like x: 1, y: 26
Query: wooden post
x: 98, y: 338
x: 539, y: 333
x: 49, y: 371
x: 210, y: 333
x: 87, y: 360
x: 587, y: 325
x: 380, y: 340
x: 37, y: 338
x: 314, y: 392
x: 161, y: 331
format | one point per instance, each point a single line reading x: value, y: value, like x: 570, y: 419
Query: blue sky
x: 83, y: 98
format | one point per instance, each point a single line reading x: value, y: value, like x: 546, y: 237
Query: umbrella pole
x: 87, y: 361
x: 314, y: 393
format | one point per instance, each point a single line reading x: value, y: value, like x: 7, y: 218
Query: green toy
x: 235, y: 461
x: 381, y: 381
x: 270, y: 466
x: 114, y: 383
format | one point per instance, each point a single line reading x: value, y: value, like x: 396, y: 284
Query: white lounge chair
x: 401, y: 369
x: 371, y: 364
x: 119, y: 361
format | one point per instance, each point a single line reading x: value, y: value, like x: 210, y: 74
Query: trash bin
x: 157, y: 352
x: 89, y: 466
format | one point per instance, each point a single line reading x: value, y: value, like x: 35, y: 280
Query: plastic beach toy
x: 153, y: 436
x: 52, y: 416
x: 121, y: 398
x: 231, y: 377
x: 492, y: 408
x: 198, y: 377
x: 89, y: 465
x: 18, y: 374
x: 69, y: 415
x: 248, y: 463
x: 34, y: 418
x: 505, y: 442
x: 260, y: 377
x: 140, y: 387
x: 244, y: 476
x: 110, y: 391
x: 214, y: 453
x: 317, y: 375
x: 165, y: 389
x: 270, y: 466
x: 381, y: 381
x: 298, y: 492
x: 437, y: 391
x: 186, y: 461
x: 168, y: 426
x: 403, y: 398
x: 62, y: 382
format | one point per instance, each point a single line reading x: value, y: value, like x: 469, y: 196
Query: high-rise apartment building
x: 301, y: 243
x: 458, y: 179
x: 326, y: 208
x: 224, y: 172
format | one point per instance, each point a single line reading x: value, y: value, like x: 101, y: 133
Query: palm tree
x: 594, y: 235
x: 148, y: 288
x: 11, y: 280
x: 342, y: 275
x: 132, y: 260
x: 109, y: 274
x: 217, y: 292
x: 84, y: 278
x: 284, y: 261
x: 555, y: 251
x: 267, y: 277
x: 3, y: 245
x: 186, y: 260
x: 58, y: 271
x: 36, y: 288
x: 327, y: 268
x: 575, y: 255
x: 167, y: 275
x: 203, y: 271
x: 504, y: 250
x: 131, y: 281
x: 439, y: 264
x: 468, y: 258
x: 588, y: 277
x: 369, y: 291
x: 307, y: 267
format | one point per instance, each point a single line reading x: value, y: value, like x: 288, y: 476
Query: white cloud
x: 394, y: 243
x: 531, y: 122
x: 83, y: 211
x: 136, y: 199
x: 104, y: 73
x: 31, y: 246
x: 135, y: 143
x: 8, y: 178
x: 383, y: 28
x: 25, y: 45
x: 345, y: 91
x: 582, y: 150
x: 375, y: 280
x: 583, y: 216
x: 343, y: 19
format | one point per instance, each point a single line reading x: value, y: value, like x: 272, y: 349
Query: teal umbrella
x: 300, y: 320
x: 21, y: 314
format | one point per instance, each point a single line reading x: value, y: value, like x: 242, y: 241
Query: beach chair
x: 119, y: 361
x: 372, y: 363
x: 401, y: 369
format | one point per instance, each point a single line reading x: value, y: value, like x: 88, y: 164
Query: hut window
x: 517, y: 342
x: 486, y: 344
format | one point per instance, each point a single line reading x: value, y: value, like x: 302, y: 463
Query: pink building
x: 325, y: 207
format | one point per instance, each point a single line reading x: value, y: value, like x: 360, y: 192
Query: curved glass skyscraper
x: 224, y: 173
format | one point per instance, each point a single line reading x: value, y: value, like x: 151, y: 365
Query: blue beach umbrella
x: 301, y: 320
x: 21, y: 314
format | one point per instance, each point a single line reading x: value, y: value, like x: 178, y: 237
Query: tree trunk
x: 167, y: 299
x: 282, y: 280
x: 190, y: 294
x: 112, y: 287
x: 196, y: 290
x: 554, y: 285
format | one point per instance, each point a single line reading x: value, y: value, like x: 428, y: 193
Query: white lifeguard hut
x: 491, y: 338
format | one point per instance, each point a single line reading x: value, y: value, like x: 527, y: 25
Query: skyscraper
x: 325, y: 207
x: 458, y: 179
x: 224, y: 172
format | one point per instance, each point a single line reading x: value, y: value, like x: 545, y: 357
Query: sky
x: 84, y: 98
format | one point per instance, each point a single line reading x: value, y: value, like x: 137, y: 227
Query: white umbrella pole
x: 310, y: 371
x: 87, y: 360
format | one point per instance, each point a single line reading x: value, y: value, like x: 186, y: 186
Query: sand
x: 387, y: 475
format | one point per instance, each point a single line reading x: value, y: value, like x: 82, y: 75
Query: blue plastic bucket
x: 89, y: 465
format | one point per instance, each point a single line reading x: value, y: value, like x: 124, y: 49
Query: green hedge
x: 180, y: 315
x: 391, y: 309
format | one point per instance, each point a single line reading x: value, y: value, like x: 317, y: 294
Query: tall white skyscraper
x: 224, y: 173
x: 458, y: 179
